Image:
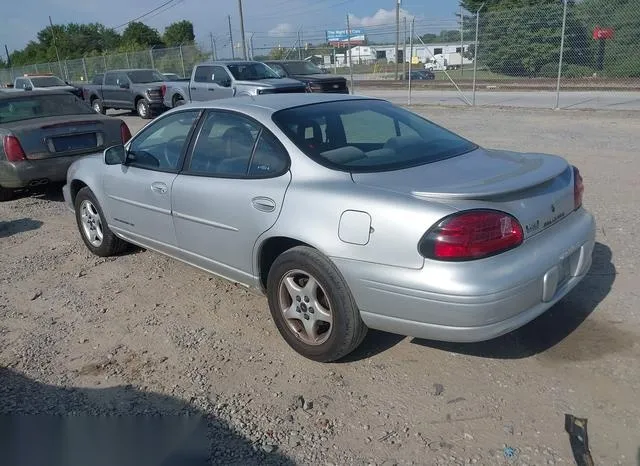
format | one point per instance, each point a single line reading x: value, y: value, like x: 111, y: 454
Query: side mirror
x: 124, y: 85
x: 115, y: 155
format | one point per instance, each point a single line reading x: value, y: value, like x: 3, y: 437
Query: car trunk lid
x: 50, y: 137
x: 535, y: 188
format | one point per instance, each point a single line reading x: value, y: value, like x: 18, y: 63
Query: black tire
x: 111, y: 245
x: 143, y: 109
x: 6, y: 194
x: 348, y: 330
x: 97, y: 105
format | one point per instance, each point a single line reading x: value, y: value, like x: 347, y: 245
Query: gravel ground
x: 144, y: 334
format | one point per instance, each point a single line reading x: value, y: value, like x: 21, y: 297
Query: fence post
x: 84, y: 68
x: 104, y: 62
x: 564, y: 24
x: 413, y: 20
x: 126, y: 55
x: 153, y: 65
x: 184, y: 73
x: 475, y: 54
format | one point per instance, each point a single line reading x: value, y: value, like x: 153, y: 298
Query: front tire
x: 143, y: 109
x: 95, y: 233
x: 97, y: 106
x: 312, y: 305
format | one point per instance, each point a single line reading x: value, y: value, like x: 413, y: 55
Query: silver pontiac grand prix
x: 348, y: 213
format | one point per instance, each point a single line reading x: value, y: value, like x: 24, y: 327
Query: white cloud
x: 281, y: 30
x: 380, y: 18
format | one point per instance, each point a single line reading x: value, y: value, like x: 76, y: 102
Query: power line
x: 146, y: 14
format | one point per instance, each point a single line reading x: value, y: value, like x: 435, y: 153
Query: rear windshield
x: 368, y: 135
x: 47, y: 81
x: 302, y: 67
x: 251, y: 71
x: 28, y: 108
x: 145, y: 76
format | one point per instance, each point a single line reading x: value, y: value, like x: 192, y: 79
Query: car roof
x: 19, y: 93
x: 275, y: 102
x: 228, y: 62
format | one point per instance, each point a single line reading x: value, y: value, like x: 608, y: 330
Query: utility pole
x: 251, y: 45
x: 349, y: 46
x: 475, y: 53
x: 404, y: 48
x: 397, y: 38
x: 461, y: 42
x: 53, y: 35
x: 213, y: 47
x: 233, y: 53
x: 244, y: 40
x: 299, y: 47
x: 413, y: 22
x: 6, y: 50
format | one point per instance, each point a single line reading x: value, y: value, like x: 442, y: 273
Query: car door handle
x: 192, y: 88
x: 264, y: 204
x: 159, y: 187
x: 211, y: 88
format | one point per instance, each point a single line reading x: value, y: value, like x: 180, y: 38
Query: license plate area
x: 74, y: 142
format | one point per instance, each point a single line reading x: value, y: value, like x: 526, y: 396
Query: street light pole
x: 397, y: 38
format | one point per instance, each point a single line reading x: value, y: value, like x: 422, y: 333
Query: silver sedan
x: 348, y: 212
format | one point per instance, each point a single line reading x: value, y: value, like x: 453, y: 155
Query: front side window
x: 368, y: 135
x: 110, y: 79
x: 230, y: 145
x: 160, y: 145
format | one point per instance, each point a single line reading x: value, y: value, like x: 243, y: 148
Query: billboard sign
x: 341, y: 37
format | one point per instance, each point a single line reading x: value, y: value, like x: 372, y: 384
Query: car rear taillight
x: 13, y: 150
x: 578, y: 188
x: 472, y: 234
x: 125, y: 134
x: 163, y: 89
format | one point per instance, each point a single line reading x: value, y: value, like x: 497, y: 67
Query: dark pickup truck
x: 310, y: 74
x: 139, y: 90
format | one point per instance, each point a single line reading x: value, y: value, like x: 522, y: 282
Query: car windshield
x: 251, y: 71
x: 47, y: 81
x: 302, y: 67
x: 41, y: 106
x: 145, y: 76
x: 367, y: 135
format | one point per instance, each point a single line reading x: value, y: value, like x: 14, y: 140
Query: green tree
x: 520, y: 42
x: 177, y: 33
x: 497, y: 5
x: 277, y: 53
x: 139, y: 35
x: 429, y: 38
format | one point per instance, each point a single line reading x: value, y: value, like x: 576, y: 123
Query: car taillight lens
x: 578, y: 188
x: 471, y: 235
x: 13, y: 150
x: 125, y: 134
x: 163, y: 89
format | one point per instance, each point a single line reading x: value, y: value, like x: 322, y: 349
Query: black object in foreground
x: 576, y: 427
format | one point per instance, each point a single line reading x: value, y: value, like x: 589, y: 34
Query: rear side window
x: 367, y: 135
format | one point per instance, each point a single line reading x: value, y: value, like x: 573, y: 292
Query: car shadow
x: 374, y: 343
x: 50, y: 192
x: 550, y: 332
x: 13, y: 227
x: 113, y: 426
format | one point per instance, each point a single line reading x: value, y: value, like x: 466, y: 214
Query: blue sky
x: 272, y: 22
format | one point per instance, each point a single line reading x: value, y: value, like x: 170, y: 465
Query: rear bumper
x: 35, y: 172
x: 477, y: 300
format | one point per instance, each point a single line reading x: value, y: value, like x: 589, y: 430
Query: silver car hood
x: 480, y: 174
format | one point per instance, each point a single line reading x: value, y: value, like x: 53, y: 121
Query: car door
x: 122, y: 91
x: 109, y: 89
x: 230, y: 192
x: 210, y: 82
x: 138, y: 192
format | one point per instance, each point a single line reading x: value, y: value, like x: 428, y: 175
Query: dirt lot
x: 142, y: 333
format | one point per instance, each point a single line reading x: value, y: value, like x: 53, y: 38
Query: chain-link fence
x: 588, y: 45
x: 179, y: 60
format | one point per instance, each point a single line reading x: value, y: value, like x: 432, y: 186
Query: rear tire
x: 177, y: 101
x: 97, y: 105
x: 329, y: 312
x: 6, y: 194
x: 93, y: 228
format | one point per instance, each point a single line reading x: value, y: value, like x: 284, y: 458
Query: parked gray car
x: 36, y: 82
x: 139, y: 90
x: 43, y: 132
x: 348, y: 213
x: 222, y: 79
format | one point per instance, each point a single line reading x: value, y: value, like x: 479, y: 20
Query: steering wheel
x: 173, y: 150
